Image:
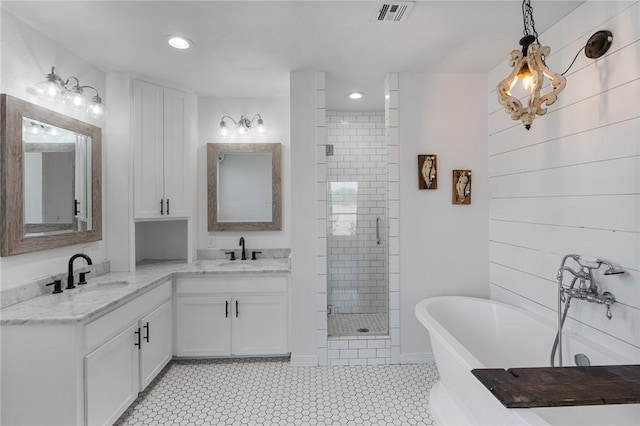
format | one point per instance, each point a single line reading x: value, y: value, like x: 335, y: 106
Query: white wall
x: 443, y: 247
x: 572, y: 183
x: 26, y: 58
x: 275, y: 113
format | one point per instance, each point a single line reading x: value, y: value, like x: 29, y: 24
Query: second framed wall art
x: 461, y: 191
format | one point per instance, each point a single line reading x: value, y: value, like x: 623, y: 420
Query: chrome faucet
x: 585, y: 274
x: 584, y: 292
x: 244, y: 253
x: 70, y: 270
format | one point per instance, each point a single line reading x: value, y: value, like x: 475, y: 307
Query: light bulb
x: 96, y: 108
x: 34, y: 129
x: 52, y: 131
x: 260, y: 126
x: 526, y: 76
x: 356, y: 95
x: 76, y: 99
x: 48, y: 89
x: 179, y: 42
x: 224, y: 131
x: 241, y: 130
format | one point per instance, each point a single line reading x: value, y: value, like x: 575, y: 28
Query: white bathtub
x: 468, y: 333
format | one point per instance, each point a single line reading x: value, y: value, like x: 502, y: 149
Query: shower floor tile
x: 349, y: 324
x: 259, y: 391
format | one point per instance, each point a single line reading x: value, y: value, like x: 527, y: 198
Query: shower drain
x: 363, y: 330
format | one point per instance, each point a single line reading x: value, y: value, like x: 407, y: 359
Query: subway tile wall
x: 357, y: 264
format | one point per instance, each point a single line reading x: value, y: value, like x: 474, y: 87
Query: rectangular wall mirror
x: 243, y: 182
x: 51, y: 179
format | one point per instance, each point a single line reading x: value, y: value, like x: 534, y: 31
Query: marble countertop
x: 102, y: 294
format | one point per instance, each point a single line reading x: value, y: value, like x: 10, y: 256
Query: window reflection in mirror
x: 57, y: 167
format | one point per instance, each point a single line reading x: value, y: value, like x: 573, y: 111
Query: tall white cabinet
x: 161, y: 152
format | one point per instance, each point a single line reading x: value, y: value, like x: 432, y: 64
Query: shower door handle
x: 378, y: 236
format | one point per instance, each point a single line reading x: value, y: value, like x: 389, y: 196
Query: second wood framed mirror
x: 243, y: 187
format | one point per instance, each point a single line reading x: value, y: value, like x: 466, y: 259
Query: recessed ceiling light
x: 179, y: 42
x: 356, y: 95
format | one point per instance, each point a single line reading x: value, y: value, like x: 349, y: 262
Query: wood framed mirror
x: 243, y: 187
x: 51, y: 179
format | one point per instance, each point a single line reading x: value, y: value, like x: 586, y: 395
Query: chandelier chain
x: 529, y: 23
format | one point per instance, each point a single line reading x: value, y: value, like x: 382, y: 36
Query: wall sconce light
x: 55, y: 88
x: 243, y: 126
x: 529, y: 67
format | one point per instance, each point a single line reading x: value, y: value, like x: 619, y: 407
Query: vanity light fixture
x: 178, y: 42
x: 243, y: 125
x: 530, y: 68
x: 55, y: 88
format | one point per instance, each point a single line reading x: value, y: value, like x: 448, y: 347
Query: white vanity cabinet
x: 85, y: 373
x: 122, y: 362
x: 161, y: 151
x: 232, y: 315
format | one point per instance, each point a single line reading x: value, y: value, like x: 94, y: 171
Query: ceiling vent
x: 392, y: 11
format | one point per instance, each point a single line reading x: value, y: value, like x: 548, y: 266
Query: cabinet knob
x: 226, y: 313
x: 137, y: 333
x: 162, y: 207
x: 167, y: 207
x: 237, y: 309
x: 146, y: 327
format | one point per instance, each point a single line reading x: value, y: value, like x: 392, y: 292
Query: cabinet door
x: 148, y: 149
x: 203, y: 326
x: 155, y: 350
x: 176, y: 153
x: 260, y: 325
x: 111, y: 375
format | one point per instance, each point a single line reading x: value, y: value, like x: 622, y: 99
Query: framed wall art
x: 427, y: 172
x: 461, y: 187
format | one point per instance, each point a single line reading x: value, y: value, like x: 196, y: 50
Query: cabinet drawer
x: 106, y: 326
x: 231, y: 284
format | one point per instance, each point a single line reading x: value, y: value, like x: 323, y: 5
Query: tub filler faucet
x: 587, y: 290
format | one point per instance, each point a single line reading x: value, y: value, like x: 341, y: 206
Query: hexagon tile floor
x: 263, y: 391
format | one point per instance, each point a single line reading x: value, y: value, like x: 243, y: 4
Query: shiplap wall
x: 572, y: 183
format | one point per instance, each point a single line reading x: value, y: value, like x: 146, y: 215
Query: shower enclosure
x: 357, y: 252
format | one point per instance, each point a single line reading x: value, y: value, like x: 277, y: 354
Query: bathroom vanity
x: 83, y: 356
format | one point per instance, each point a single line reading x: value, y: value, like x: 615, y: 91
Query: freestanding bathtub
x: 468, y: 333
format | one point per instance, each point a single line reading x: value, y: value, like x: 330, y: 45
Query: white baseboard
x: 417, y: 358
x: 304, y: 360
